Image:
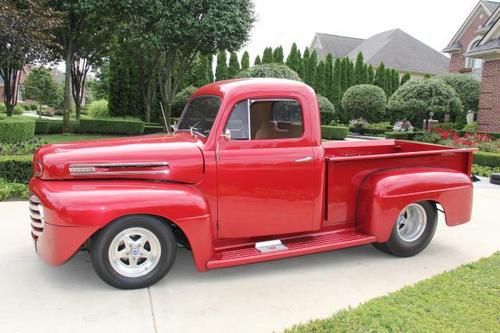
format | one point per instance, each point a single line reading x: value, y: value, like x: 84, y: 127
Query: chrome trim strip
x: 91, y: 169
x: 38, y: 225
x: 36, y: 232
x: 34, y: 199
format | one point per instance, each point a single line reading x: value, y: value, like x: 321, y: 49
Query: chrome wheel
x: 134, y: 252
x: 411, y: 223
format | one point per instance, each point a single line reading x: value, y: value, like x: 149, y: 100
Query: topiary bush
x: 365, y: 101
x: 334, y: 132
x: 18, y: 110
x: 278, y: 71
x: 16, y: 168
x: 181, y: 99
x: 111, y: 126
x: 467, y: 88
x: 416, y: 99
x: 98, y: 109
x: 326, y: 109
x: 16, y: 129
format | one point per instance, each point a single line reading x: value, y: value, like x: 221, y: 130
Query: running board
x: 294, y: 246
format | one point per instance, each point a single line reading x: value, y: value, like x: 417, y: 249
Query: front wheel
x: 413, y: 230
x: 133, y: 252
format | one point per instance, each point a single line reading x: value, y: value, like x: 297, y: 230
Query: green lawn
x: 466, y: 299
x: 69, y: 137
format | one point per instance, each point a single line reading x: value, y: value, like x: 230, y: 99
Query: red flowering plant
x: 452, y: 138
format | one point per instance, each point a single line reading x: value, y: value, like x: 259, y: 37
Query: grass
x: 70, y: 137
x: 466, y: 299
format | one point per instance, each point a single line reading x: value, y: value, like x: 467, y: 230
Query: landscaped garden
x: 465, y: 299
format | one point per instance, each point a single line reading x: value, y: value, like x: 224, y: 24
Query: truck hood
x: 175, y: 157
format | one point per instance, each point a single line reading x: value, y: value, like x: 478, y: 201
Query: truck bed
x: 349, y: 162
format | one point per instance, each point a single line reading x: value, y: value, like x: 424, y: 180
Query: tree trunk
x: 67, y: 85
x: 10, y: 76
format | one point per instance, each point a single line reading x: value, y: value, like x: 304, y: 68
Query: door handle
x: 305, y: 159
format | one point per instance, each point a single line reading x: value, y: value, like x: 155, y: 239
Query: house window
x: 473, y: 63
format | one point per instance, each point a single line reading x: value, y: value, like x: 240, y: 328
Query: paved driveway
x: 257, y: 298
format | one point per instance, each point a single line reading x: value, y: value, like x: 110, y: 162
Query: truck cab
x: 244, y: 178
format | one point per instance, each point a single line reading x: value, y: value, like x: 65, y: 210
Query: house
x: 475, y: 50
x: 395, y: 48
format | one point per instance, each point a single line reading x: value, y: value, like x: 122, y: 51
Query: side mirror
x: 227, y: 135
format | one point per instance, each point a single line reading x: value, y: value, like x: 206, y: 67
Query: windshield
x: 199, y: 115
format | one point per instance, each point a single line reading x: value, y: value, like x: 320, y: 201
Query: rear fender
x: 382, y: 196
x: 93, y: 204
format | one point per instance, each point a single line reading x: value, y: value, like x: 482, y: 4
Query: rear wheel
x: 133, y: 252
x: 413, y: 230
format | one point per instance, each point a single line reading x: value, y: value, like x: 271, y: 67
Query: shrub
x: 366, y: 101
x: 429, y: 137
x: 398, y: 135
x: 181, y: 99
x: 334, y: 132
x: 111, y: 126
x: 3, y: 108
x: 271, y: 70
x: 41, y: 127
x: 18, y: 110
x: 21, y: 148
x: 16, y: 129
x: 487, y: 159
x: 153, y: 128
x: 470, y: 127
x: 10, y: 190
x: 16, y: 168
x: 416, y: 99
x: 467, y: 88
x: 98, y: 109
x: 484, y: 171
x: 326, y: 109
x: 33, y: 107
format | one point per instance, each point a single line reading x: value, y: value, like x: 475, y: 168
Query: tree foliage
x: 278, y: 56
x: 221, y: 71
x: 267, y: 57
x: 415, y: 100
x: 404, y: 78
x: 234, y: 65
x: 41, y: 87
x: 270, y: 70
x: 245, y: 61
x: 293, y: 59
x: 320, y: 84
x: 467, y: 88
x: 365, y: 101
x: 312, y: 68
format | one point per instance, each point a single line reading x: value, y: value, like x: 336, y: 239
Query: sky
x: 282, y: 22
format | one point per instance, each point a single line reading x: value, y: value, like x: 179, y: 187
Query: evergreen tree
x: 388, y: 82
x: 234, y: 65
x: 278, y: 55
x: 343, y: 76
x: 351, y: 76
x: 267, y: 57
x: 320, y: 84
x: 202, y: 74
x: 293, y: 59
x: 257, y: 61
x: 305, y: 64
x: 395, y: 80
x: 380, y: 76
x: 311, y: 69
x: 364, y: 74
x: 427, y: 76
x: 405, y: 78
x: 245, y: 61
x: 358, y: 70
x: 329, y: 77
x: 221, y: 71
x: 337, y: 83
x: 370, y: 74
x: 302, y: 70
x: 114, y: 85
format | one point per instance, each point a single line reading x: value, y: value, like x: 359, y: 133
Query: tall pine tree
x: 336, y: 93
x: 210, y: 70
x: 311, y: 69
x: 358, y: 69
x: 234, y: 65
x: 267, y: 57
x: 245, y: 61
x: 370, y: 74
x: 293, y: 59
x: 278, y: 55
x: 257, y: 61
x: 329, y: 77
x: 344, y: 83
x: 320, y: 84
x: 380, y: 77
x: 305, y: 64
x: 221, y: 71
x: 351, y: 76
x: 404, y: 78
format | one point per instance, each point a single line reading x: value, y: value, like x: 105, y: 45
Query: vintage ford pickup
x: 244, y: 178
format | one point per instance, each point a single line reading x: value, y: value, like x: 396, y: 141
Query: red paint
x: 227, y: 195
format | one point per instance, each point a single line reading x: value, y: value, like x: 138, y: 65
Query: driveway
x: 256, y: 298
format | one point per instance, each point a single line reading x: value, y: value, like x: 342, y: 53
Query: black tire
x: 102, y: 241
x: 401, y: 248
x: 495, y: 178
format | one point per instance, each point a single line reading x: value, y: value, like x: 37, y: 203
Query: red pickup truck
x: 244, y: 178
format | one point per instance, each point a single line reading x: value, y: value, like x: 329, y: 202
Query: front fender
x: 92, y: 204
x: 382, y: 196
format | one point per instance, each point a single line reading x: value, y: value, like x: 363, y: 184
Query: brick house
x: 475, y: 51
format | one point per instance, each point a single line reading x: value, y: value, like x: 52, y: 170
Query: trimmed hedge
x: 487, y: 159
x: 14, y: 129
x: 16, y: 168
x: 150, y: 129
x: 398, y: 135
x: 111, y: 126
x: 41, y: 127
x: 334, y: 132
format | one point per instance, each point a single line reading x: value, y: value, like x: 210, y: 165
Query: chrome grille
x: 36, y: 215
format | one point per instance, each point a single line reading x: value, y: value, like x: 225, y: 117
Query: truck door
x: 265, y: 170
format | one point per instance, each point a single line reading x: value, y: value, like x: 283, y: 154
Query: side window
x: 238, y: 121
x: 280, y: 119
